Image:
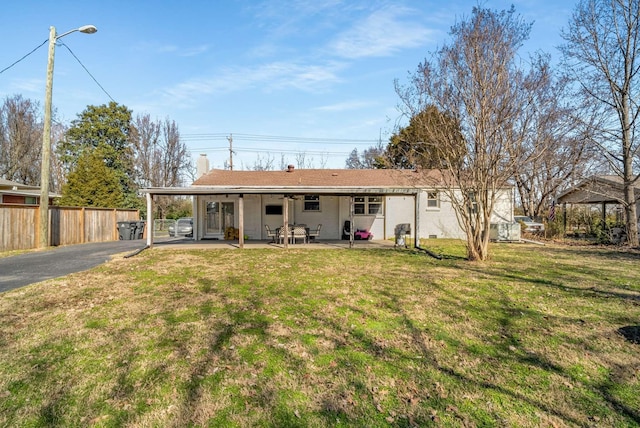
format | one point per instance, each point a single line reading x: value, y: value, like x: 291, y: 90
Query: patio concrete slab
x: 188, y: 243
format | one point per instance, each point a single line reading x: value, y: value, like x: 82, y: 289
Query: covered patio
x: 291, y: 194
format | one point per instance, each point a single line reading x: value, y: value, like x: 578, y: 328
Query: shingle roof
x: 322, y: 178
x: 11, y: 184
x: 596, y: 189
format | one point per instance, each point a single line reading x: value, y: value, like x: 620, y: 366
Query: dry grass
x: 539, y: 336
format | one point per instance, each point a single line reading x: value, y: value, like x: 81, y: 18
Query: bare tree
x: 324, y: 158
x: 478, y: 84
x: 20, y: 140
x: 354, y: 161
x: 264, y: 164
x: 147, y: 145
x: 602, y: 54
x: 161, y: 159
x: 302, y: 161
x: 552, y: 136
x: 369, y: 159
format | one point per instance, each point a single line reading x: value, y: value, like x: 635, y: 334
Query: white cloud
x: 382, y: 33
x: 170, y: 49
x: 345, y: 106
x: 195, y: 50
x: 27, y: 85
x: 268, y: 77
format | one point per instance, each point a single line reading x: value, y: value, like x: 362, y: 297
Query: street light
x: 46, y: 135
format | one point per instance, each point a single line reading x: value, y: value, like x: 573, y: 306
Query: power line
x: 267, y: 150
x: 73, y: 54
x: 276, y: 138
x: 35, y: 49
x: 88, y: 72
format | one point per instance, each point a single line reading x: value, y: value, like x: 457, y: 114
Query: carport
x: 600, y: 190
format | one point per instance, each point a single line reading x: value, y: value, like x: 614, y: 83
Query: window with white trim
x: 367, y: 205
x: 433, y: 199
x: 473, y: 204
x: 311, y: 202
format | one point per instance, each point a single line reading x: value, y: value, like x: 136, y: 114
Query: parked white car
x: 183, y: 226
x: 530, y: 225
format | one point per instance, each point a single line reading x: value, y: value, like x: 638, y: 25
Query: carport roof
x: 304, y: 181
x: 596, y: 189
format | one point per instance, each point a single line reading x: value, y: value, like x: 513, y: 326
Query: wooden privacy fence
x: 67, y: 225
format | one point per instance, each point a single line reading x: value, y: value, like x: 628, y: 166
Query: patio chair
x: 271, y: 233
x: 299, y: 232
x: 313, y: 234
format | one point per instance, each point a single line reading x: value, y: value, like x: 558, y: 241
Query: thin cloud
x: 382, y: 33
x: 345, y: 106
x: 171, y: 49
x: 196, y: 50
x: 268, y: 77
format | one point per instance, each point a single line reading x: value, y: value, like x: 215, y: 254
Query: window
x: 273, y: 209
x: 359, y: 205
x: 433, y: 200
x: 473, y: 204
x: 311, y: 202
x: 371, y: 205
x: 30, y: 200
x: 375, y: 205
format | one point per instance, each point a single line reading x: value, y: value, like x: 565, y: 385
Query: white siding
x: 440, y: 221
x: 252, y: 226
x: 400, y: 209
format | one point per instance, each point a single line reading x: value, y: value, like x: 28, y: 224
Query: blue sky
x: 319, y: 72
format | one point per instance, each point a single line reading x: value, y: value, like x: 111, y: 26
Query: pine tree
x: 92, y: 183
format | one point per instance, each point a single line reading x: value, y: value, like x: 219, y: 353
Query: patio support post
x: 149, y: 220
x: 604, y: 215
x: 285, y: 218
x: 416, y: 199
x: 564, y: 218
x: 351, y: 229
x: 241, y: 220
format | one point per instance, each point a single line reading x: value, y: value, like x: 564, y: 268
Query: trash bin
x: 126, y: 230
x: 139, y: 229
x: 401, y: 231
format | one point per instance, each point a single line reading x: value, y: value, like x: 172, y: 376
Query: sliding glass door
x: 219, y: 216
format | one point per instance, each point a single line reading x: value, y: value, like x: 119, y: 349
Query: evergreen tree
x: 92, y: 183
x: 104, y: 130
x: 418, y: 144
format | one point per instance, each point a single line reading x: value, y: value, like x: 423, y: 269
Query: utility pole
x: 230, y: 138
x: 45, y: 167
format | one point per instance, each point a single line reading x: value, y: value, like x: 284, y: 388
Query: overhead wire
x: 223, y: 136
x: 88, y: 72
x: 271, y: 140
x: 72, y: 53
x: 277, y: 138
x: 21, y: 59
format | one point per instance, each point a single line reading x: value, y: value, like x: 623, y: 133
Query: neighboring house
x: 15, y: 193
x: 376, y: 200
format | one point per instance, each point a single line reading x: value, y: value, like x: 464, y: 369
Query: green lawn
x: 538, y: 336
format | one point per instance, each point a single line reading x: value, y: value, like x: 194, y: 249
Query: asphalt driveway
x: 24, y: 269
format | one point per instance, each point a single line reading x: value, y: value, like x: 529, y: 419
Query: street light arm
x: 87, y: 29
